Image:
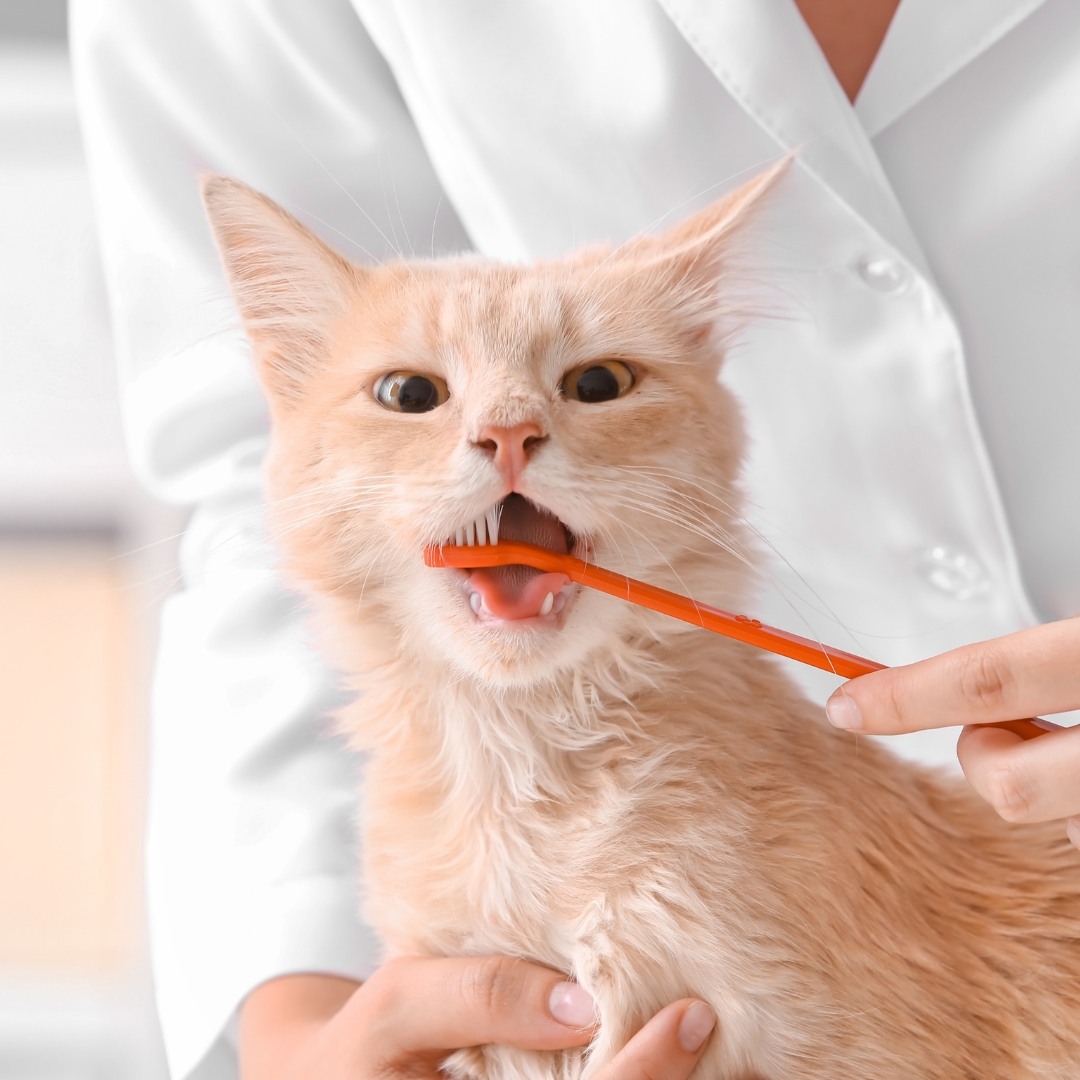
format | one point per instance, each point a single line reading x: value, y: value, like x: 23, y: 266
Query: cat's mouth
x: 517, y: 594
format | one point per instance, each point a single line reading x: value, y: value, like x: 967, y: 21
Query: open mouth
x: 501, y: 594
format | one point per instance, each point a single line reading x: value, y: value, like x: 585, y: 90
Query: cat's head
x: 572, y: 403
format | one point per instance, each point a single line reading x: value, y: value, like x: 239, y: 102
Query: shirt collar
x: 766, y: 57
x: 929, y: 41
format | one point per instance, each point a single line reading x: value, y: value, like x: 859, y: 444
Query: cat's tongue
x: 516, y: 592
x: 521, y: 592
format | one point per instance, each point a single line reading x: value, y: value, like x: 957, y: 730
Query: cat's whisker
x: 667, y: 562
x: 723, y: 506
x: 705, y: 532
x: 820, y: 606
x: 377, y: 560
x: 767, y: 577
x: 715, y: 489
x: 675, y: 507
x: 221, y: 519
x: 699, y: 526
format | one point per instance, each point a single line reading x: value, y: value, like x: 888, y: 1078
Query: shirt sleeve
x: 251, y: 850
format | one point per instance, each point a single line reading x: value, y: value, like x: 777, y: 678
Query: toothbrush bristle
x: 479, y: 532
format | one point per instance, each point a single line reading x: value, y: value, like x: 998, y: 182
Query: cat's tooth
x: 545, y: 607
x: 481, y: 531
x: 459, y: 538
x: 474, y: 602
x: 470, y: 534
x: 493, y: 516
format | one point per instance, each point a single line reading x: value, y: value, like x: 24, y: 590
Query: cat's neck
x: 512, y: 745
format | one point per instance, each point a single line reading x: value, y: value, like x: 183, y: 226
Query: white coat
x: 913, y: 457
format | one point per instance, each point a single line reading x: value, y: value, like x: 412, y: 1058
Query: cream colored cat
x: 557, y: 775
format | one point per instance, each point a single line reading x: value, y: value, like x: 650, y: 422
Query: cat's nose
x: 511, y: 447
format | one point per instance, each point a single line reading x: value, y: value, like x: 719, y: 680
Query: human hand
x: 414, y: 1011
x: 1023, y: 674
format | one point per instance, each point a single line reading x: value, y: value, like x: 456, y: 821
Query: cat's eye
x: 410, y: 392
x: 602, y: 380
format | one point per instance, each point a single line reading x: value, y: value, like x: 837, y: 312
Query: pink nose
x: 510, y: 446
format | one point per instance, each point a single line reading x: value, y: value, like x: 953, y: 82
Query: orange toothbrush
x: 740, y: 627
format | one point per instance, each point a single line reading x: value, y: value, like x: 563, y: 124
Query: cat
x: 557, y: 775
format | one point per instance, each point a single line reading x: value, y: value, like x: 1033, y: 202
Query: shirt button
x: 882, y: 273
x: 955, y: 572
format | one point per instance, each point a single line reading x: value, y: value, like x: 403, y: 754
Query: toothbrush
x: 740, y: 627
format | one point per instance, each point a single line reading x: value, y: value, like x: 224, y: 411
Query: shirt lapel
x: 928, y: 42
x: 768, y: 60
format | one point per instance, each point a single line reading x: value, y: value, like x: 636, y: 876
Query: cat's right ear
x: 291, y: 288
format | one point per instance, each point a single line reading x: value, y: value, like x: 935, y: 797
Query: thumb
x: 667, y: 1047
x: 421, y: 1004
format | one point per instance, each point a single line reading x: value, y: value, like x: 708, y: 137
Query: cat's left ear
x: 699, y: 263
x: 290, y: 287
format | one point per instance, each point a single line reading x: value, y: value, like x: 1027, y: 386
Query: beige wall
x: 68, y: 800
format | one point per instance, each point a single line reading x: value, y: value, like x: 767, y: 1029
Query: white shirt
x: 910, y: 405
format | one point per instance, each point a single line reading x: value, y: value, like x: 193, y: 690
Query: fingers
x: 1038, y: 780
x: 1030, y: 672
x: 414, y: 1010
x: 667, y: 1047
x: 416, y: 1005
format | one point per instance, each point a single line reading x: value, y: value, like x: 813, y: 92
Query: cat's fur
x: 648, y: 806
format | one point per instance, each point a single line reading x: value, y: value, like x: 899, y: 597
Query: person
x: 907, y: 395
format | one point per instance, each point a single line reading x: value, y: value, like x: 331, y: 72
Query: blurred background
x: 85, y: 561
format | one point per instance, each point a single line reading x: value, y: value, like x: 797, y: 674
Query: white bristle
x: 459, y: 538
x: 493, y: 523
x: 481, y: 531
x: 470, y: 534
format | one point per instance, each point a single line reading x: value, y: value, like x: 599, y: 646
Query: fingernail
x: 843, y: 712
x: 695, y: 1026
x: 571, y: 1005
x: 1072, y: 830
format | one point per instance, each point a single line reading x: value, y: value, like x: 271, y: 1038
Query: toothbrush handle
x: 739, y: 627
